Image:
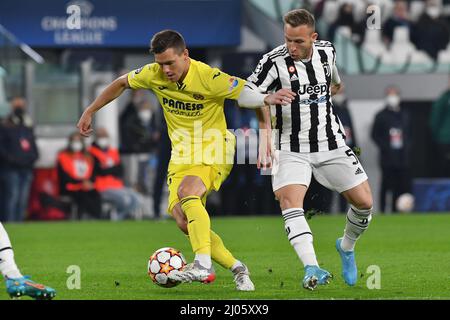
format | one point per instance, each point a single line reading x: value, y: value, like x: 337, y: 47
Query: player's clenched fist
x: 84, y: 124
x: 283, y: 96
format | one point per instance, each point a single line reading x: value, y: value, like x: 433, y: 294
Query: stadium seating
x: 373, y: 43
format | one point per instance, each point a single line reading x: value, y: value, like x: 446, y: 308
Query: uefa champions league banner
x: 118, y: 23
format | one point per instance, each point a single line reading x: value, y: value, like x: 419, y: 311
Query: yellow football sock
x: 199, y: 225
x: 219, y: 253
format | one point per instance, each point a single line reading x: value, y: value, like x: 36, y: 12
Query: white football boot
x: 193, y: 272
x: 242, y: 279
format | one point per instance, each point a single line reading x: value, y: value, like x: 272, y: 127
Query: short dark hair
x: 166, y: 39
x: 300, y: 17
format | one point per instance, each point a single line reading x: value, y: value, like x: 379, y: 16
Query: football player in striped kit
x: 18, y: 285
x: 308, y: 138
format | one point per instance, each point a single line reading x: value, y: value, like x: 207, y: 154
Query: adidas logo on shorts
x: 358, y: 171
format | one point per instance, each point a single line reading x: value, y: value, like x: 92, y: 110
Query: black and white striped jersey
x: 309, y: 123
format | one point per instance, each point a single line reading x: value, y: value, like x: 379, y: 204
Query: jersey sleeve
x: 140, y: 78
x: 222, y: 85
x: 335, y: 79
x: 264, y: 76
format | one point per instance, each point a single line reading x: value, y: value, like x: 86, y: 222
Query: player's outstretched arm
x: 265, y: 134
x: 111, y: 92
x: 250, y: 98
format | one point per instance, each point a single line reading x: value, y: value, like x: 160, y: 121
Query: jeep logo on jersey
x: 182, y: 105
x: 320, y: 89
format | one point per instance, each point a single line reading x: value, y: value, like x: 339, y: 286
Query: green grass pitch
x: 412, y: 252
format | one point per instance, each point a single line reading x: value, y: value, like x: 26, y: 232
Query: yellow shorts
x: 212, y: 176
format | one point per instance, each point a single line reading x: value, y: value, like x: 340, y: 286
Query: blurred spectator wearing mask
x: 136, y: 125
x: 108, y: 173
x: 390, y: 132
x: 18, y: 153
x: 346, y: 18
x: 76, y: 180
x: 163, y: 153
x: 399, y: 18
x: 440, y: 128
x: 138, y: 139
x: 431, y: 33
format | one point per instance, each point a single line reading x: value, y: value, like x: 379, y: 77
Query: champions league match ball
x: 162, y: 262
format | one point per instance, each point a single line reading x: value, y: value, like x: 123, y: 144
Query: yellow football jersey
x: 193, y: 110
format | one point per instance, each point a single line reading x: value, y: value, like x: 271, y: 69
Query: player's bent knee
x: 291, y: 196
x: 190, y: 189
x: 361, y: 201
x: 287, y: 202
x: 184, y: 191
x: 364, y: 204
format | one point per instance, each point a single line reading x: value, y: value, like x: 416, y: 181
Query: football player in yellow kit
x: 192, y: 96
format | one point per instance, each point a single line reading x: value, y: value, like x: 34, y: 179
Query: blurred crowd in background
x: 93, y: 179
x: 427, y: 22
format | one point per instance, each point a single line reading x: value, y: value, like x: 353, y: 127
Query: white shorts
x: 338, y: 169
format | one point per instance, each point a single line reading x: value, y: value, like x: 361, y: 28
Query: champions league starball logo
x: 79, y: 26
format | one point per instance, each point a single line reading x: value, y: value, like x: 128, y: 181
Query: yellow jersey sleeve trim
x: 140, y: 78
x: 224, y: 86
